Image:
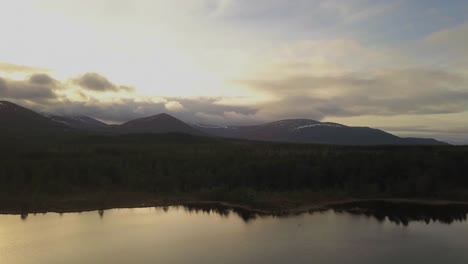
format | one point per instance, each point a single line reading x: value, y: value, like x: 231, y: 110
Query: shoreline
x: 72, y: 207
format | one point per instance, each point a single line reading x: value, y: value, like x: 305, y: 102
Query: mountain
x: 156, y: 124
x: 81, y: 122
x: 312, y: 131
x: 161, y: 123
x: 18, y: 122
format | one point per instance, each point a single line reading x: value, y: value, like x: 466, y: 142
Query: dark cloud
x: 42, y: 79
x: 126, y: 109
x: 25, y: 89
x: 3, y: 85
x: 411, y: 91
x: 210, y: 105
x: 114, y: 112
x: 96, y: 82
x: 43, y: 93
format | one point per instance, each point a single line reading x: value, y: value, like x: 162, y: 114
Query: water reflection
x: 212, y: 234
x: 397, y: 213
x: 24, y: 216
x: 404, y: 213
x: 246, y: 215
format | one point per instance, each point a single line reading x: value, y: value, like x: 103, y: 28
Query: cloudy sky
x: 397, y: 65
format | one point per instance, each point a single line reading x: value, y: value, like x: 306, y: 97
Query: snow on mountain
x: 319, y: 125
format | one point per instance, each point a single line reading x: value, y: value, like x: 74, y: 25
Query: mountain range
x: 17, y: 121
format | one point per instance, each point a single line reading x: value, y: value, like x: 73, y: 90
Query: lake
x: 205, y: 235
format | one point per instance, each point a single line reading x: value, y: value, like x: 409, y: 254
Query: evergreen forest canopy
x: 237, y: 171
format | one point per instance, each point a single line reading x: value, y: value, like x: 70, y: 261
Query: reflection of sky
x: 153, y: 236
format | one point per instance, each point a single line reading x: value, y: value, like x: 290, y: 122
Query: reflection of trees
x: 24, y: 216
x: 221, y: 210
x: 400, y: 213
x: 224, y: 211
x: 403, y: 213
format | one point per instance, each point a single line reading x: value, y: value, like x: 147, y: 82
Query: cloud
x: 283, y: 11
x: 174, y: 106
x: 332, y: 57
x: 346, y: 78
x: 42, y: 79
x: 452, y: 39
x: 17, y: 68
x: 37, y: 87
x: 3, y: 86
x: 125, y: 109
x: 210, y: 118
x: 44, y: 93
x: 391, y: 92
x: 385, y: 93
x: 95, y: 82
x: 227, y: 118
x: 212, y: 105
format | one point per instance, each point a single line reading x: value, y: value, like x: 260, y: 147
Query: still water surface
x: 180, y: 235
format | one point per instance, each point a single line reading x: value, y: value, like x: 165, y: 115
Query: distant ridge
x: 19, y: 121
x: 312, y: 131
x: 80, y: 122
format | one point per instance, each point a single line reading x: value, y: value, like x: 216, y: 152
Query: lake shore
x: 125, y: 201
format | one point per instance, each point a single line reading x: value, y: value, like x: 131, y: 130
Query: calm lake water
x: 181, y: 235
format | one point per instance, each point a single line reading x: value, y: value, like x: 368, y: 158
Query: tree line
x: 177, y: 164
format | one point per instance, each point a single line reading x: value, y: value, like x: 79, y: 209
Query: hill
x: 312, y: 131
x: 18, y: 123
x: 157, y: 124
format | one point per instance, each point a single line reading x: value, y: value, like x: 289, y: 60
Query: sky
x: 401, y: 66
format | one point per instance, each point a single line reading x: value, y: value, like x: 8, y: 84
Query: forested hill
x: 229, y: 170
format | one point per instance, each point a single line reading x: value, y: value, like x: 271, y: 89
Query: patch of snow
x: 60, y: 121
x: 318, y: 125
x: 8, y: 107
x: 291, y: 123
x: 45, y: 115
x: 80, y: 119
